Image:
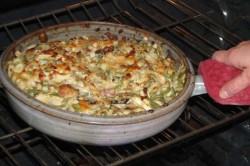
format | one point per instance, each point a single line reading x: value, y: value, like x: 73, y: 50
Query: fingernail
x: 224, y: 94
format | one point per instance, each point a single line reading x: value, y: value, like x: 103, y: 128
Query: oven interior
x: 207, y: 133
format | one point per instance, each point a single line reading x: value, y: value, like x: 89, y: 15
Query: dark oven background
x: 206, y: 133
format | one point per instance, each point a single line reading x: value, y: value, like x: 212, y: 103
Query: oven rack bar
x: 195, y: 33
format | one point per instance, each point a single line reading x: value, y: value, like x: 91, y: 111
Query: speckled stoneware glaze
x: 95, y: 130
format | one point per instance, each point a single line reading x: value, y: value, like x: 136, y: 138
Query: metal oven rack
x: 186, y: 26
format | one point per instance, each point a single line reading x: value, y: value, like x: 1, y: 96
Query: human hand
x: 239, y: 57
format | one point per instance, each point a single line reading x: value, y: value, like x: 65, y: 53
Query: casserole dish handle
x: 199, y: 87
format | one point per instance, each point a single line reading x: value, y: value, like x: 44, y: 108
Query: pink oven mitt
x: 216, y: 74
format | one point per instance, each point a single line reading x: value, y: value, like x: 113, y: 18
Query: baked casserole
x: 106, y: 77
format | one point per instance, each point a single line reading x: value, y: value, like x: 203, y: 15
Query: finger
x: 225, y: 56
x: 235, y: 85
x: 232, y: 57
x: 220, y: 56
x: 243, y: 43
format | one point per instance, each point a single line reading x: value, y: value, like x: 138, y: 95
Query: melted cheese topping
x: 99, y: 77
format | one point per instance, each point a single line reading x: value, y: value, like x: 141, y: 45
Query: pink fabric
x: 216, y: 74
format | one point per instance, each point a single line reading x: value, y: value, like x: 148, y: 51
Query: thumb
x: 235, y: 85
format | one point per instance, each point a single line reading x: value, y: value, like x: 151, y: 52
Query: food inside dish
x: 99, y: 76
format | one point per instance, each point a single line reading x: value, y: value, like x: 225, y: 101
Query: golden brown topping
x: 30, y: 50
x: 132, y: 68
x: 67, y: 91
x: 50, y: 52
x: 99, y: 76
x: 41, y: 76
x: 43, y: 37
x: 83, y: 105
